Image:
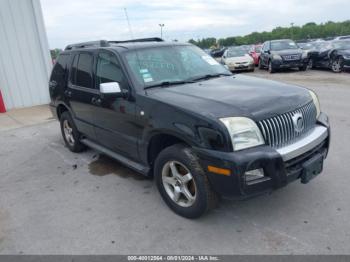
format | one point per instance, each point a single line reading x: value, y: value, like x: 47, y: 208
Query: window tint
x: 83, y: 72
x: 60, y: 68
x: 108, y: 69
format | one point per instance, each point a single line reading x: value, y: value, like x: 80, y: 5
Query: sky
x: 72, y: 21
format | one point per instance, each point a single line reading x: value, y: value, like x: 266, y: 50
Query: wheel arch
x: 160, y: 140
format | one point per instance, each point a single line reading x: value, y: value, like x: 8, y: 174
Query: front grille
x: 291, y: 57
x: 282, y: 130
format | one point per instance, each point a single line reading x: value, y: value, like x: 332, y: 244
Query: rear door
x: 80, y: 92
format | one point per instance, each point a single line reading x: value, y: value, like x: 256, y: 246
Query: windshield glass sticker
x: 209, y: 60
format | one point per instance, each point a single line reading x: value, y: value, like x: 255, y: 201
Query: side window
x: 83, y: 71
x: 60, y: 69
x: 74, y: 69
x: 108, y: 69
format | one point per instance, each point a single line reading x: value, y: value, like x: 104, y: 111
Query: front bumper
x: 346, y: 62
x: 280, y: 63
x: 281, y: 166
x: 241, y: 67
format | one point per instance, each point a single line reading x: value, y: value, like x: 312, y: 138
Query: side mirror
x: 111, y: 88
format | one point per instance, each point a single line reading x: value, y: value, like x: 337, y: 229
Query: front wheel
x: 182, y: 182
x: 260, y: 64
x: 303, y: 68
x: 270, y: 68
x: 337, y: 65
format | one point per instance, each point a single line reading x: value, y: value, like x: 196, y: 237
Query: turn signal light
x: 220, y: 171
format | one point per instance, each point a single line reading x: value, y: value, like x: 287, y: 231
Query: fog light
x: 254, y: 174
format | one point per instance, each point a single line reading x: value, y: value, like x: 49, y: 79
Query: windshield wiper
x: 206, y: 77
x: 169, y: 83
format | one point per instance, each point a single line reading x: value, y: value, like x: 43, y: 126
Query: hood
x: 245, y: 58
x: 237, y: 95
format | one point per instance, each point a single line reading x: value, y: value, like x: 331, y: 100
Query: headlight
x: 316, y: 102
x: 304, y: 55
x: 276, y: 57
x: 243, y: 131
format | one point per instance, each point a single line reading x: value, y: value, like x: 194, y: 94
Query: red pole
x: 2, y: 104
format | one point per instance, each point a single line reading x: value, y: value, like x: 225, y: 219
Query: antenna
x: 132, y: 37
x: 127, y: 19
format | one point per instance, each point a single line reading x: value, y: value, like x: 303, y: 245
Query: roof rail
x: 151, y: 39
x: 105, y: 43
x: 99, y: 43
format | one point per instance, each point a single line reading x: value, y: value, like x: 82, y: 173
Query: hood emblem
x: 298, y: 122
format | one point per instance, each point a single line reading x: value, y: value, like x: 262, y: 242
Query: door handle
x: 96, y: 101
x: 68, y: 93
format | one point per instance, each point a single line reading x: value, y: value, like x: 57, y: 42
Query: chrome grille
x: 291, y: 57
x: 280, y: 130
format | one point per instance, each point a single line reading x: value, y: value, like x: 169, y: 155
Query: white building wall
x: 25, y: 62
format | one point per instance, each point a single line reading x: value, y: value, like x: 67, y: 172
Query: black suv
x: 171, y: 111
x: 285, y: 53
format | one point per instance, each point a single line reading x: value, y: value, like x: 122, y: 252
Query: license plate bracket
x: 311, y: 168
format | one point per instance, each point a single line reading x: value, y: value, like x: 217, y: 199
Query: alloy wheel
x: 336, y: 65
x: 68, y: 132
x: 179, y: 184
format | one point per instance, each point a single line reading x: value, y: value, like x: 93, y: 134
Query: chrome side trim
x: 304, y: 144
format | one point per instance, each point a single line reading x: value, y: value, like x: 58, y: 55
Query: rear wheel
x: 337, y: 65
x: 182, y: 183
x: 70, y: 133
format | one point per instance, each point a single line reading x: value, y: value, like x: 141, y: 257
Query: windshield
x: 156, y: 65
x: 236, y: 52
x: 341, y: 44
x: 282, y: 45
x: 258, y: 49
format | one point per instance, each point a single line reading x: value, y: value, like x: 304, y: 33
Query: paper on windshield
x: 209, y: 60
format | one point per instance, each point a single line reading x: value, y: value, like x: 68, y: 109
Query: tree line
x: 307, y: 31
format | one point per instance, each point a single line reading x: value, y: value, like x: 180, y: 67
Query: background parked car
x: 255, y: 53
x: 334, y: 55
x: 285, y: 53
x: 343, y: 37
x: 238, y: 59
x: 217, y: 53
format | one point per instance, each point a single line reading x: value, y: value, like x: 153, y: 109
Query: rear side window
x: 81, y: 71
x: 60, y: 68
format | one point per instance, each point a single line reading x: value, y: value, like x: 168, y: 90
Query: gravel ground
x: 56, y: 202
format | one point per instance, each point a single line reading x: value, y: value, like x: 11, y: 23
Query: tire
x: 310, y: 64
x: 260, y: 64
x: 187, y: 195
x: 70, y: 133
x: 303, y: 68
x: 337, y: 65
x: 270, y: 68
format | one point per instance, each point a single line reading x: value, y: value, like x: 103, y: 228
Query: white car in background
x: 237, y: 59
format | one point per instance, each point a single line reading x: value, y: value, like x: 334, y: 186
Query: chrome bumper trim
x: 314, y: 138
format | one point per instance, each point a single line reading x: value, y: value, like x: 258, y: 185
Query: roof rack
x: 100, y: 43
x: 105, y: 43
x: 151, y: 39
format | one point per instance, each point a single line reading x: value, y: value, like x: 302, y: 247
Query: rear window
x: 60, y: 68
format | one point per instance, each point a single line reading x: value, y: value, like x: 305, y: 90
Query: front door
x: 115, y: 123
